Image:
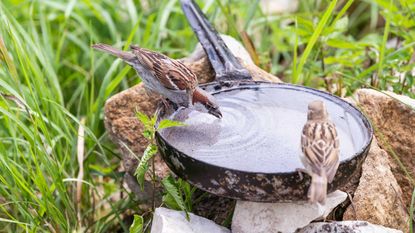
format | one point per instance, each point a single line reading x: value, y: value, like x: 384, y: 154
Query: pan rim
x: 245, y: 84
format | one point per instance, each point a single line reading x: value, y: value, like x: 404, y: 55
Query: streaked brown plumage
x: 320, y: 146
x: 168, y: 77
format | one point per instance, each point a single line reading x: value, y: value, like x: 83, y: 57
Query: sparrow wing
x: 320, y: 146
x: 171, y: 73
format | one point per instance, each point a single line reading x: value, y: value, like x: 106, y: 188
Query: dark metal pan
x: 252, y: 153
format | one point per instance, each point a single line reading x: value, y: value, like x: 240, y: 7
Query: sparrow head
x: 205, y: 102
x: 317, y: 111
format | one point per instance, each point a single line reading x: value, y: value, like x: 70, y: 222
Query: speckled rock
x: 393, y: 117
x: 172, y: 221
x: 124, y: 128
x: 378, y: 198
x: 346, y: 227
x: 281, y: 217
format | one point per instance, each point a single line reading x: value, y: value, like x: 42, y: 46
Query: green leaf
x: 143, y: 118
x: 137, y: 226
x: 171, y: 188
x: 169, y: 201
x: 142, y: 167
x: 166, y: 123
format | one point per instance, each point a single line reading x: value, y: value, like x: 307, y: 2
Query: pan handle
x: 225, y: 64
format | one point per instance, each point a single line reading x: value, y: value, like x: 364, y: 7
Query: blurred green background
x: 51, y: 79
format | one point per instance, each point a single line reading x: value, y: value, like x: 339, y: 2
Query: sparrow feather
x: 320, y: 146
x: 173, y: 74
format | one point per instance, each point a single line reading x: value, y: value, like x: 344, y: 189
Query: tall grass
x: 50, y: 79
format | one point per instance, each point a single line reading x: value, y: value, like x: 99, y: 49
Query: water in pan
x: 260, y: 130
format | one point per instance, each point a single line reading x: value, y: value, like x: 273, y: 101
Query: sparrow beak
x: 216, y: 113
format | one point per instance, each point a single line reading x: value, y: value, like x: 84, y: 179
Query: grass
x: 51, y: 81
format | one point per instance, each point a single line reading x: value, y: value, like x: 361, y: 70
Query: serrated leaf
x: 169, y: 201
x: 137, y: 226
x: 143, y: 118
x: 153, y: 120
x: 170, y: 186
x: 166, y: 123
x: 142, y: 167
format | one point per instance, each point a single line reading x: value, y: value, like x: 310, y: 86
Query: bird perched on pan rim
x: 168, y: 77
x: 320, y: 147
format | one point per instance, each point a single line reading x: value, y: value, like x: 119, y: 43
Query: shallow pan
x: 252, y: 153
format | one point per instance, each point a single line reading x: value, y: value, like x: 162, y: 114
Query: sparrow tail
x: 318, y: 189
x: 116, y: 52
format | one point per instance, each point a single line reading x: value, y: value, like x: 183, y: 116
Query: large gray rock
x: 346, y: 227
x: 172, y: 221
x: 393, y: 117
x: 280, y: 217
x: 378, y: 198
x: 384, y: 192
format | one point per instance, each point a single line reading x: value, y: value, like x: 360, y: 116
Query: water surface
x: 260, y: 130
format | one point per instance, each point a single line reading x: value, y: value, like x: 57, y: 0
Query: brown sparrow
x: 320, y: 146
x: 168, y: 77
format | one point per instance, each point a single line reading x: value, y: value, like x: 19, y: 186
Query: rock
x: 346, y: 227
x: 393, y: 117
x: 257, y: 217
x: 124, y: 128
x: 378, y: 198
x: 172, y: 221
x: 270, y: 7
x: 237, y: 49
x: 213, y: 207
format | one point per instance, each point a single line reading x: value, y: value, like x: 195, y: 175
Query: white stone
x: 346, y: 227
x: 234, y: 46
x: 258, y: 217
x: 172, y: 221
x: 270, y: 7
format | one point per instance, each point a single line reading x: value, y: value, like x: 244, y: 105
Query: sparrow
x: 320, y: 147
x: 167, y: 77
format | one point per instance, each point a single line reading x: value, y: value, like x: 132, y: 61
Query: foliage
x: 50, y: 79
x: 178, y: 194
x: 174, y: 189
x: 142, y: 167
x: 150, y: 128
x: 137, y: 226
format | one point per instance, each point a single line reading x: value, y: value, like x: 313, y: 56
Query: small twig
x: 50, y: 227
x: 352, y: 205
x: 154, y: 183
x: 399, y: 200
x: 17, y: 101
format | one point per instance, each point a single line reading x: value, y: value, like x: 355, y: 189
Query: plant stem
x: 154, y: 182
